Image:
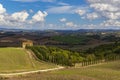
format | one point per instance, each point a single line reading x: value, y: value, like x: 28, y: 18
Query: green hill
x: 18, y: 59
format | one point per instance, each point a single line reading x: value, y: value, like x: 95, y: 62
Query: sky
x: 60, y: 14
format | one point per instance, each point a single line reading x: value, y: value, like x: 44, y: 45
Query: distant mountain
x: 62, y: 31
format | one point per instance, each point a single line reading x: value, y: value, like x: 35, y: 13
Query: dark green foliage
x: 108, y: 51
x: 117, y: 50
x: 71, y: 39
x: 56, y: 55
x: 111, y: 38
x: 40, y: 56
x: 98, y: 37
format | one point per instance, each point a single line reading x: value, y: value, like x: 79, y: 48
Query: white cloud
x: 2, y: 9
x: 39, y: 16
x: 109, y: 10
x: 63, y: 20
x: 63, y: 4
x: 48, y: 0
x: 111, y: 23
x: 67, y: 23
x: 65, y: 9
x: 31, y: 11
x: 20, y: 19
x: 1, y: 17
x: 60, y: 9
x: 105, y: 10
x: 20, y: 16
x: 104, y: 7
x: 71, y: 24
x: 80, y: 12
x: 92, y: 16
x: 111, y: 15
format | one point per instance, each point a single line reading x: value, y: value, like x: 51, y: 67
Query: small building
x: 27, y: 43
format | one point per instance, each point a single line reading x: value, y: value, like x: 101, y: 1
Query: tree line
x: 107, y: 52
x: 56, y: 55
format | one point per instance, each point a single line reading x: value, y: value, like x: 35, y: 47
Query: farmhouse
x: 27, y: 43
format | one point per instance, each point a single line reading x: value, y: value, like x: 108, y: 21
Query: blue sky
x: 60, y: 14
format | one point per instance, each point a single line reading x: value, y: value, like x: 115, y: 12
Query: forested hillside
x: 64, y: 57
x: 108, y: 51
x: 57, y: 55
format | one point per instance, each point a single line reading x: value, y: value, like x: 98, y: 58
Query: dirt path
x: 29, y: 72
x: 36, y: 71
x: 30, y: 57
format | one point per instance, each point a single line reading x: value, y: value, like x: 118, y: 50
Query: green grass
x: 17, y: 59
x: 107, y: 71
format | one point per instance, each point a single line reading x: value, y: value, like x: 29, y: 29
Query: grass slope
x: 107, y: 71
x: 17, y: 59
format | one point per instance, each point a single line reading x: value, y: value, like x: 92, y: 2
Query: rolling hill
x: 18, y: 59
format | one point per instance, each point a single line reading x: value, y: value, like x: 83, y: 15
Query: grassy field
x: 17, y: 59
x: 107, y: 71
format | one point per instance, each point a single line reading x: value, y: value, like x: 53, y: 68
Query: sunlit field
x: 17, y: 59
x: 105, y: 71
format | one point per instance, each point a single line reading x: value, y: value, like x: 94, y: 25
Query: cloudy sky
x: 60, y: 14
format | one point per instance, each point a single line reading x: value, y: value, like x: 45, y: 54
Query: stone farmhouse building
x: 27, y: 43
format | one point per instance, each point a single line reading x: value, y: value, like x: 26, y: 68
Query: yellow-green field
x: 17, y: 59
x: 105, y: 71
